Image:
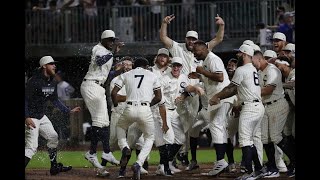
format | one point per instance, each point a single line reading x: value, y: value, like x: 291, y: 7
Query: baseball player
x: 184, y: 50
x: 174, y: 85
x: 233, y: 119
x: 278, y: 152
x: 93, y: 94
x: 245, y: 83
x: 214, y: 76
x: 140, y: 85
x: 163, y: 141
x: 39, y: 89
x: 276, y: 112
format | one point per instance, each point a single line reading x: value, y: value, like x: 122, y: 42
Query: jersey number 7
x: 141, y: 78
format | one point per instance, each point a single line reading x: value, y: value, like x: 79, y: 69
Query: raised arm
x: 163, y: 31
x: 219, y: 35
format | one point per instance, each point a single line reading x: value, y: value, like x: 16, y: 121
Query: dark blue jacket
x: 39, y: 90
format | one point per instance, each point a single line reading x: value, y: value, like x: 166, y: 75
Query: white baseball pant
x: 44, y: 128
x: 274, y: 118
x: 289, y: 127
x: 142, y: 115
x: 179, y: 134
x: 160, y: 137
x: 218, y: 123
x: 249, y: 123
x: 95, y: 98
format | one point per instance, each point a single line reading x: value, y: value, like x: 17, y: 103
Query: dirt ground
x: 89, y: 174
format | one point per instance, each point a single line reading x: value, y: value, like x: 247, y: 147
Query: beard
x: 240, y: 61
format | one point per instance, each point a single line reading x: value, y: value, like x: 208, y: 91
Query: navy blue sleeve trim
x: 61, y: 106
x: 104, y: 59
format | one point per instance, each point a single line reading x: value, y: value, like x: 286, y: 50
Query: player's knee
x: 53, y: 140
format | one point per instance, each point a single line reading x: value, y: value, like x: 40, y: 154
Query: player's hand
x: 214, y: 100
x: 76, y: 109
x: 30, y: 124
x: 179, y: 99
x: 165, y: 128
x: 118, y: 45
x: 199, y: 91
x: 219, y: 20
x: 193, y: 75
x: 236, y: 111
x: 200, y: 69
x: 168, y: 19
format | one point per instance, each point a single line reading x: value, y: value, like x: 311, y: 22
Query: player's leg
x: 179, y: 137
x: 31, y: 141
x: 95, y: 99
x: 232, y: 127
x: 218, y: 129
x: 162, y: 142
x: 47, y: 131
x: 249, y: 119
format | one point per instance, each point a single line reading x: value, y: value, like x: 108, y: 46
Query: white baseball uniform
x: 189, y: 65
x: 249, y: 93
x: 91, y: 88
x: 218, y: 115
x: 173, y: 88
x: 276, y: 106
x: 139, y: 85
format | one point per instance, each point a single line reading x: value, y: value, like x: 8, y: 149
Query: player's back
x: 140, y: 84
x: 247, y: 78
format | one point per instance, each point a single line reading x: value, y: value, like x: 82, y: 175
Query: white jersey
x: 121, y: 92
x: 139, y: 84
x: 271, y: 76
x: 158, y: 72
x: 291, y: 92
x: 189, y: 63
x: 214, y: 64
x: 247, y: 79
x: 64, y: 90
x: 173, y: 87
x: 96, y: 72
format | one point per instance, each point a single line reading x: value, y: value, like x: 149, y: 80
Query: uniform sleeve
x: 174, y: 49
x: 156, y: 84
x: 237, y: 77
x: 119, y: 82
x: 273, y: 77
x: 215, y: 66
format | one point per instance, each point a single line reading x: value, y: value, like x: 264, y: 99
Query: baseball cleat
x: 103, y: 172
x: 92, y: 158
x: 110, y: 158
x: 193, y: 165
x: 218, y: 167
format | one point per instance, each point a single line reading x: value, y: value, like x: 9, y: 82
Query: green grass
x: 76, y: 158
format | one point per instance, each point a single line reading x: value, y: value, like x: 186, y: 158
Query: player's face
x: 278, y: 45
x: 189, y: 42
x: 231, y: 67
x: 162, y: 60
x: 198, y: 52
x: 176, y: 68
x: 127, y: 65
x: 256, y: 62
x: 50, y: 69
x: 240, y: 58
x: 108, y: 43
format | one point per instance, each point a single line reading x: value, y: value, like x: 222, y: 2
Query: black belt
x: 96, y: 81
x: 268, y: 103
x: 142, y: 104
x: 256, y: 100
